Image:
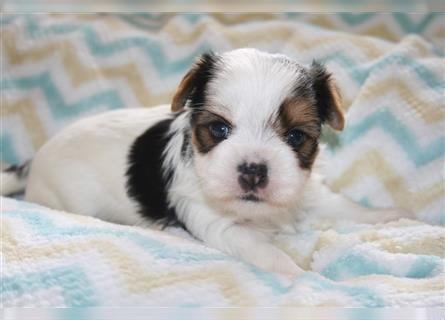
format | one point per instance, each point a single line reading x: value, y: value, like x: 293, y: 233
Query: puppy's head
x: 256, y: 120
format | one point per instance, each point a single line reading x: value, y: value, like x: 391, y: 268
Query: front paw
x: 272, y: 259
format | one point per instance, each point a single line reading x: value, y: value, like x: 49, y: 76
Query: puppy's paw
x: 272, y: 259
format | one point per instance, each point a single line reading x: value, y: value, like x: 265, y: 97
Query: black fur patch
x: 205, y: 71
x: 323, y: 95
x: 186, y: 148
x: 21, y: 171
x: 147, y: 181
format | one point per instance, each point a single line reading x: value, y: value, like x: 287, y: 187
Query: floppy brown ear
x: 328, y: 97
x: 194, y: 81
x: 183, y: 91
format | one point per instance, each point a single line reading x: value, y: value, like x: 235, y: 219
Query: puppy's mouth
x: 251, y: 198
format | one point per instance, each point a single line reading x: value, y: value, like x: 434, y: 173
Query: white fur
x: 247, y: 92
x: 82, y: 169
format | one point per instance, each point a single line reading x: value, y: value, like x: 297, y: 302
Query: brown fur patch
x: 183, y: 91
x: 201, y: 136
x: 336, y: 119
x: 301, y: 115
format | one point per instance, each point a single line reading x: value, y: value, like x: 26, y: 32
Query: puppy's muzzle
x: 252, y: 176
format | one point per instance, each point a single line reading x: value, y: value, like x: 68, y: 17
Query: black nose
x: 252, y: 176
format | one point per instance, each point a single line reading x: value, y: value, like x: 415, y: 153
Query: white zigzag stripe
x: 372, y: 139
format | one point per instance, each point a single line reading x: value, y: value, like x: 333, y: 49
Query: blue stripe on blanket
x: 354, y: 264
x: 364, y: 296
x: 59, y: 107
x: 404, y: 137
x: 425, y: 267
x: 76, y: 289
x: 9, y: 153
x: 46, y: 227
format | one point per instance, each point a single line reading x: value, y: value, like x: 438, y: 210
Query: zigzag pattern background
x: 390, y: 68
x: 58, y: 68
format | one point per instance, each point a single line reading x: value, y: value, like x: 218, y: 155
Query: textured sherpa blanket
x: 390, y: 69
x: 53, y: 258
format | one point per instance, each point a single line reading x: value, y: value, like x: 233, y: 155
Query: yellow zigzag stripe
x: 232, y: 19
x: 136, y: 277
x: 108, y: 20
x: 27, y: 111
x: 430, y: 112
x: 372, y: 163
x: 80, y: 73
x: 375, y: 28
x: 286, y: 33
x: 440, y: 34
x: 379, y: 29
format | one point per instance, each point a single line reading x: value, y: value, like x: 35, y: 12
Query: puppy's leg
x: 333, y: 205
x: 238, y: 240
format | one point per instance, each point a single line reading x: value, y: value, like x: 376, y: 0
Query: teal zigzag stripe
x: 59, y: 107
x: 44, y: 226
x: 166, y: 68
x: 402, y: 19
x: 355, y: 19
x: 153, y: 49
x: 8, y: 154
x: 410, y: 26
x: 384, y: 119
x: 150, y: 45
x: 354, y: 264
x: 77, y: 290
x: 365, y: 296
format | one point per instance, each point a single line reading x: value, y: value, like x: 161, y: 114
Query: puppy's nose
x: 252, y: 176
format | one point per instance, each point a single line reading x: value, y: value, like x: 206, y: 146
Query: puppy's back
x: 82, y: 169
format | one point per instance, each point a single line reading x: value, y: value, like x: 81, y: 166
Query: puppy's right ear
x: 193, y: 84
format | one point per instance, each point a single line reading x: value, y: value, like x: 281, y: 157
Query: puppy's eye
x: 295, y: 138
x: 219, y: 130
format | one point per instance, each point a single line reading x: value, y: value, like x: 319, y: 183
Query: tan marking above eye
x: 201, y: 136
x: 299, y: 115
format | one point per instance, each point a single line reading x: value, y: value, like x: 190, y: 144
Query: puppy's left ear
x: 327, y: 96
x: 194, y: 82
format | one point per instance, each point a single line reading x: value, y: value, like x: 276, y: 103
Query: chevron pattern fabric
x: 390, y: 68
x: 59, y: 68
x: 58, y: 259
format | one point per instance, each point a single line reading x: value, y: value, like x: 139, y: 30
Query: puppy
x: 231, y: 159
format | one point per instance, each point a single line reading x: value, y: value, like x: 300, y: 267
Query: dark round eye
x: 219, y: 130
x: 295, y: 138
